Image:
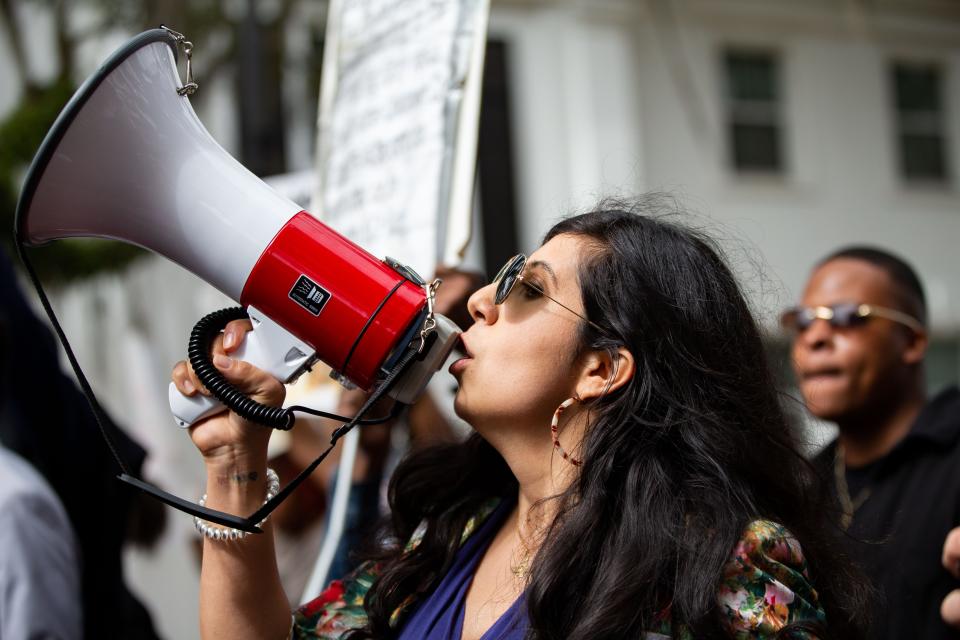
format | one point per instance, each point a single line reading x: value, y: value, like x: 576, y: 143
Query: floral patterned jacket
x: 765, y: 586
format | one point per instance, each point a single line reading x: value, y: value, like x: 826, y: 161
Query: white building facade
x: 792, y: 128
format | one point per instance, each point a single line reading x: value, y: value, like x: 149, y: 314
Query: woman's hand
x: 225, y: 437
x: 240, y: 591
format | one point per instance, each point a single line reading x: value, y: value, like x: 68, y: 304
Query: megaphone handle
x: 269, y: 347
x: 189, y: 409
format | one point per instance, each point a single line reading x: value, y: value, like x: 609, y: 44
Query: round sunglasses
x: 512, y: 272
x: 842, y: 315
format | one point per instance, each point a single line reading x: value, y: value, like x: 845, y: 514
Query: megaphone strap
x: 106, y: 425
x: 103, y: 422
x: 387, y: 384
x: 250, y: 523
x: 198, y: 352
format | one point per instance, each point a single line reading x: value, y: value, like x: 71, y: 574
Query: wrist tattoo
x: 238, y: 478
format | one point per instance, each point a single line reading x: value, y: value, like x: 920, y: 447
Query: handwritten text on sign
x: 387, y: 143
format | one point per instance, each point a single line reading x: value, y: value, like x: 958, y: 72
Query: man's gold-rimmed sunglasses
x: 512, y: 272
x: 844, y: 314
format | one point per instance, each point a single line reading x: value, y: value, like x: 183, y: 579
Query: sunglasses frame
x: 860, y: 311
x: 512, y: 272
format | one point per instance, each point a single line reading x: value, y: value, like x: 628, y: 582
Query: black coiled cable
x: 201, y: 339
x: 198, y: 352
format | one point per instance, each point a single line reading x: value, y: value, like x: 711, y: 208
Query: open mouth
x: 822, y: 375
x: 461, y: 363
x: 463, y: 348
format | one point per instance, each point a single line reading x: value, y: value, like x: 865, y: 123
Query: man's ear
x: 604, y: 372
x: 916, y: 347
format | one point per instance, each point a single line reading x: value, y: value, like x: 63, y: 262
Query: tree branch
x: 286, y: 7
x: 14, y: 37
x: 65, y: 43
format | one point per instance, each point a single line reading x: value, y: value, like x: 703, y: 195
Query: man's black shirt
x: 897, y: 534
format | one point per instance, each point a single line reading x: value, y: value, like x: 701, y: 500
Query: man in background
x: 40, y: 565
x: 859, y: 342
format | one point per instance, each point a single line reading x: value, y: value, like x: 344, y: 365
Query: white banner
x: 397, y: 125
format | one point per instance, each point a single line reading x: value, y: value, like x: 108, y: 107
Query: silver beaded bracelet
x: 214, y: 532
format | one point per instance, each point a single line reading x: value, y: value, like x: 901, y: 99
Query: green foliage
x: 23, y: 130
x: 77, y: 258
x: 21, y: 133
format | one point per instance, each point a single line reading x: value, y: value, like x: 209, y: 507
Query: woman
x: 631, y: 472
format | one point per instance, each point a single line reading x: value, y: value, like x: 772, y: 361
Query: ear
x: 604, y: 372
x: 916, y: 347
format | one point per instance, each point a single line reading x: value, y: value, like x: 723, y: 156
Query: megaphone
x: 128, y: 159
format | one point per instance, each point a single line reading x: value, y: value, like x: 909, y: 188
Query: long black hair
x: 676, y: 463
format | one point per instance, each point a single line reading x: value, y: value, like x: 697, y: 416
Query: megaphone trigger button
x: 294, y: 356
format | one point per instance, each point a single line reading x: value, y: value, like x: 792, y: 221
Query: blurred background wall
x: 789, y: 128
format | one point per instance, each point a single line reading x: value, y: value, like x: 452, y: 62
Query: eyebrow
x: 546, y: 267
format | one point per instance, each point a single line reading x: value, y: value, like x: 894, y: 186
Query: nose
x: 481, y: 305
x: 817, y: 336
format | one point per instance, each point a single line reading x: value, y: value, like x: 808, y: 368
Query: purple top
x: 440, y: 615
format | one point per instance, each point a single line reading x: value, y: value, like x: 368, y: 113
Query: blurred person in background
x: 46, y: 420
x: 630, y: 475
x: 39, y: 562
x: 950, y: 609
x: 859, y: 340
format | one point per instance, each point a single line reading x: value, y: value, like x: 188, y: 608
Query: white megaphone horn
x: 128, y: 159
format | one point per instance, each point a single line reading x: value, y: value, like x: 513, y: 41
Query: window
x: 753, y: 111
x: 495, y: 149
x: 917, y: 95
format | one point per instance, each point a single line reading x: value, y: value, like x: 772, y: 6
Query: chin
x: 826, y: 399
x: 828, y: 414
x: 828, y: 407
x: 462, y: 408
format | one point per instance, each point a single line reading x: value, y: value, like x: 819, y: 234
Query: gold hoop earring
x: 554, y: 432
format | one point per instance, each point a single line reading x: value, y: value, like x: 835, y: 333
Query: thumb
x: 950, y: 609
x: 248, y: 379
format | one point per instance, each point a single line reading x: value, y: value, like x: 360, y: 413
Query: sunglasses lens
x: 508, y: 277
x: 846, y: 315
x: 788, y: 319
x: 503, y: 269
x: 796, y: 319
x: 841, y: 315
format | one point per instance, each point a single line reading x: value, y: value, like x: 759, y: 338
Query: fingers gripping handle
x: 269, y: 347
x: 189, y: 409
